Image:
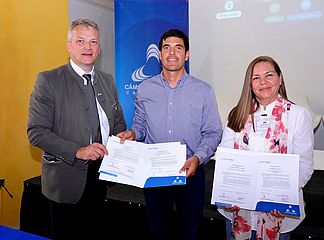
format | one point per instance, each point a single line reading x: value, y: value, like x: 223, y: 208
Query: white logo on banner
x: 151, y: 52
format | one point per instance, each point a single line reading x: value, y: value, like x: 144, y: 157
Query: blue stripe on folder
x: 165, y: 181
x: 108, y: 173
x: 222, y: 204
x: 287, y: 209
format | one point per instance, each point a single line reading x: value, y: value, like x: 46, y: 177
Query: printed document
x: 143, y: 165
x: 256, y: 181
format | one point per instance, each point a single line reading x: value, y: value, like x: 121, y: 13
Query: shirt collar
x: 268, y: 109
x: 180, y: 82
x: 80, y: 71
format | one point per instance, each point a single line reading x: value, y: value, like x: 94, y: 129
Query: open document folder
x: 143, y: 165
x: 256, y: 181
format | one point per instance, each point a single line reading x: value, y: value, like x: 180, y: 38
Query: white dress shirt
x: 104, y: 124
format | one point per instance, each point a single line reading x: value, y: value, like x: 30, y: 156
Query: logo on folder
x: 290, y: 211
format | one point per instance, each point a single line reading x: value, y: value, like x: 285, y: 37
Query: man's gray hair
x: 85, y: 22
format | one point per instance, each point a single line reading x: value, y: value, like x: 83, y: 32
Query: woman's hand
x: 277, y: 214
x: 232, y: 208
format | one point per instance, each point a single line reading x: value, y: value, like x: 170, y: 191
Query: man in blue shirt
x: 175, y: 106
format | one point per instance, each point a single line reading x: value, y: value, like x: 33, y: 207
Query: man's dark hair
x: 175, y: 33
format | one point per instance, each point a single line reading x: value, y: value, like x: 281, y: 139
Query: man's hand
x: 92, y: 152
x: 190, y: 166
x: 126, y: 135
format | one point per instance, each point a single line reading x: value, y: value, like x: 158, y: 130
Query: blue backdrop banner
x: 139, y: 25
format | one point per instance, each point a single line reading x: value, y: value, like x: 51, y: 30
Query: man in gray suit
x: 61, y: 123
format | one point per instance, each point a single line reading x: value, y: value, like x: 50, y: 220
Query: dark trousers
x: 188, y: 201
x: 83, y: 220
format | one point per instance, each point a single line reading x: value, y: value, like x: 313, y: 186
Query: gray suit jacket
x: 59, y: 124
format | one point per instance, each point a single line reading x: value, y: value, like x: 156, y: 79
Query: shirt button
x: 169, y: 131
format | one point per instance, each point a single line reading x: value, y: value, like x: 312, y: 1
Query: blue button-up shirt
x: 187, y: 113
